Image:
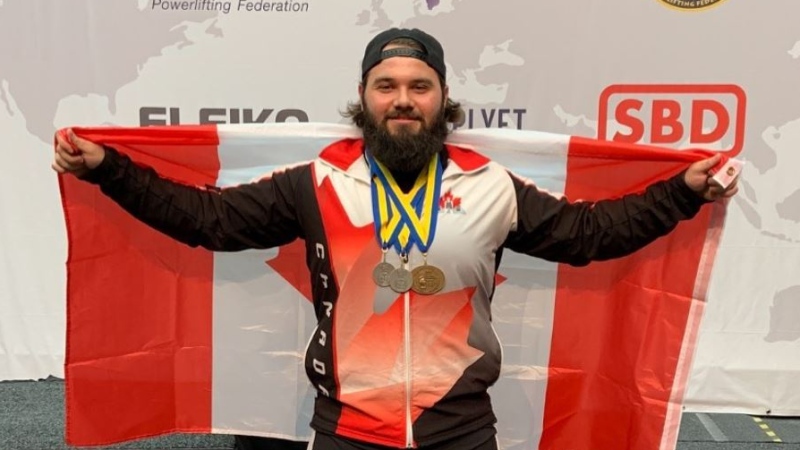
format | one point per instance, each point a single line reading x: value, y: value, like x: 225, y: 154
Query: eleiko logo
x: 162, y: 115
x: 691, y: 5
x: 709, y: 116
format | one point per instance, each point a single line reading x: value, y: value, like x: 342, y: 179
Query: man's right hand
x: 76, y: 155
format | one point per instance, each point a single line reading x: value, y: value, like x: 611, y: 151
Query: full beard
x: 406, y: 152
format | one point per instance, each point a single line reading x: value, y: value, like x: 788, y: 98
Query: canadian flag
x: 166, y: 338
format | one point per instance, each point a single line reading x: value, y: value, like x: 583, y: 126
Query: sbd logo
x: 678, y: 115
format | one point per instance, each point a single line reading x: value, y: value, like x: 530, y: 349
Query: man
x: 391, y: 180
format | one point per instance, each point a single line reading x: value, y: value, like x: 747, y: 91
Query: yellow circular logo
x: 691, y: 5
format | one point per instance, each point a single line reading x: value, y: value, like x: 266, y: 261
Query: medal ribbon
x: 403, y: 220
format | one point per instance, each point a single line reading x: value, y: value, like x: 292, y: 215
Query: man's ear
x: 445, y: 95
x: 360, y: 89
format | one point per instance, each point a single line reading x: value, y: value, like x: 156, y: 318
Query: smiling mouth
x: 403, y: 119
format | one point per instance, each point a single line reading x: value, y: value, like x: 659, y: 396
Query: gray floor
x: 32, y: 418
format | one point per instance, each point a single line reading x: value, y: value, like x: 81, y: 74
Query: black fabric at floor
x: 261, y: 443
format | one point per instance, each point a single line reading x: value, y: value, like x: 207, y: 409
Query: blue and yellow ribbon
x: 403, y: 220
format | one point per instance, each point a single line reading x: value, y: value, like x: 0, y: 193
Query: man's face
x: 403, y: 95
x: 404, y: 124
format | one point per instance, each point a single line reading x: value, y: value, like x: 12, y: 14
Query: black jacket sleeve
x: 577, y: 233
x: 255, y: 215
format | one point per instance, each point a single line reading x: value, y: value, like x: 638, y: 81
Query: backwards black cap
x: 433, y: 54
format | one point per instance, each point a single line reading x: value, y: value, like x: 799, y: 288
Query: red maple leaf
x: 370, y: 346
x: 291, y: 265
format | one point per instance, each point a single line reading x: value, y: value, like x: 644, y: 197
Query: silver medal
x: 381, y: 274
x: 400, y: 280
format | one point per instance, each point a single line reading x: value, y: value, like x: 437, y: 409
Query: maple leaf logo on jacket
x: 450, y: 204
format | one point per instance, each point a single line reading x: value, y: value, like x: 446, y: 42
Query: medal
x: 400, y: 280
x: 381, y: 272
x: 403, y: 220
x: 427, y: 279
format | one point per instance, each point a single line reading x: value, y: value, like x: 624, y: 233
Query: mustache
x: 406, y: 115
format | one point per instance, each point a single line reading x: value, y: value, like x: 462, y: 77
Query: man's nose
x: 403, y: 100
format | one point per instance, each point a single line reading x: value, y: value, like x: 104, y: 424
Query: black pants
x: 261, y: 443
x: 483, y: 439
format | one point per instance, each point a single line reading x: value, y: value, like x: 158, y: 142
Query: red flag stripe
x: 619, y: 325
x: 143, y: 368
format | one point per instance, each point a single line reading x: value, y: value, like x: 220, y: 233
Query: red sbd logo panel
x: 709, y: 116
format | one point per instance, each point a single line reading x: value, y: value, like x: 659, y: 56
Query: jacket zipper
x: 407, y: 343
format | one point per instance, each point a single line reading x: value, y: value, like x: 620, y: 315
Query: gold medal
x: 427, y: 279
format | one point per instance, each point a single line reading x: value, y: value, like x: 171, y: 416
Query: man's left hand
x: 698, y: 178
